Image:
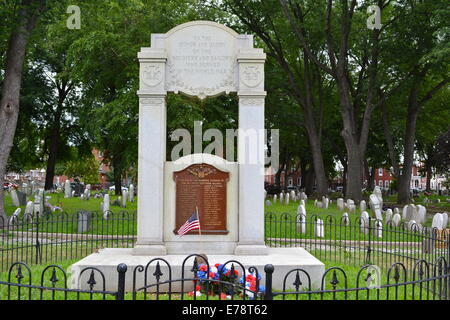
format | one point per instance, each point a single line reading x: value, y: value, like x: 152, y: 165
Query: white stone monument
x: 201, y: 59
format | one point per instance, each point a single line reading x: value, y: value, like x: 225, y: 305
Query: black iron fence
x: 407, y: 260
x: 357, y: 241
x: 62, y: 236
x: 231, y: 281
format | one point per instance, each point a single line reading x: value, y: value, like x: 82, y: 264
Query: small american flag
x: 191, y: 224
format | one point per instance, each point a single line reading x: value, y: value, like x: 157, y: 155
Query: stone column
x: 152, y: 152
x: 251, y: 152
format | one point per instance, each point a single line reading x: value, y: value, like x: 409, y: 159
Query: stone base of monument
x: 106, y: 260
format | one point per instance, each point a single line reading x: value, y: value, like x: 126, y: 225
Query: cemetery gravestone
x: 131, y: 193
x: 345, y: 219
x: 396, y: 219
x: 376, y: 206
x: 67, y: 189
x: 388, y: 215
x: 84, y: 221
x: 340, y: 203
x: 445, y: 220
x: 362, y: 205
x: 15, y: 197
x: 379, y: 194
x: 421, y: 214
x: 438, y: 221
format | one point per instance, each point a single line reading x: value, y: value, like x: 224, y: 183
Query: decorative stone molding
x: 251, y: 101
x: 152, y: 101
x: 252, y: 75
x: 152, y: 74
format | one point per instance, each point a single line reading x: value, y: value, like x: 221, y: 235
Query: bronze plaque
x: 205, y: 187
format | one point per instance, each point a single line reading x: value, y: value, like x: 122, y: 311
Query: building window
x: 380, y: 183
x: 290, y: 182
x: 386, y: 184
x: 380, y: 172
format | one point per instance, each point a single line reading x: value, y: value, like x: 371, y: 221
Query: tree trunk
x: 9, y: 104
x: 429, y: 177
x: 371, y: 179
x: 53, y: 148
x: 117, y: 175
x: 309, y: 188
x: 404, y: 183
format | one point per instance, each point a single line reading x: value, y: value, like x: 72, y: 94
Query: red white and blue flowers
x: 224, y: 281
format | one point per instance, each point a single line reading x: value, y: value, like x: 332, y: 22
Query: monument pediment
x: 201, y: 60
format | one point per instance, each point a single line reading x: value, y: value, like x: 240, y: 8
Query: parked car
x: 272, y: 189
x: 113, y: 188
x: 9, y: 185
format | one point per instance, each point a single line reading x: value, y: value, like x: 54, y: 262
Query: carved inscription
x: 205, y: 187
x: 202, y: 62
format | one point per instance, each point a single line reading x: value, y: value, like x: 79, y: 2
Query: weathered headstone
x: 388, y: 215
x: 84, y: 221
x: 362, y: 205
x: 325, y: 202
x: 364, y: 222
x: 15, y: 197
x: 286, y: 202
x: 378, y: 229
x: 345, y: 219
x: 268, y: 203
x: 421, y: 214
x: 15, y: 216
x: 124, y: 198
x: 376, y: 206
x: 404, y: 210
x: 105, y: 207
x: 340, y: 204
x: 411, y: 213
x: 445, y: 220
x: 67, y: 189
x: 292, y: 195
x: 379, y: 194
x: 351, y: 205
x: 396, y: 219
x: 438, y: 221
x: 131, y: 193
x: 29, y: 208
x: 301, y: 223
x: 319, y: 228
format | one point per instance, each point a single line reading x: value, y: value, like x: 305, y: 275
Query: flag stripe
x: 192, y: 223
x: 188, y: 227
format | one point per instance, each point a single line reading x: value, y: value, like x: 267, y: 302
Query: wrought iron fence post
x: 369, y: 247
x: 447, y: 271
x: 38, y: 245
x: 268, y: 294
x: 121, y: 269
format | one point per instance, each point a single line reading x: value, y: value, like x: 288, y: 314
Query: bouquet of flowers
x: 223, y: 281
